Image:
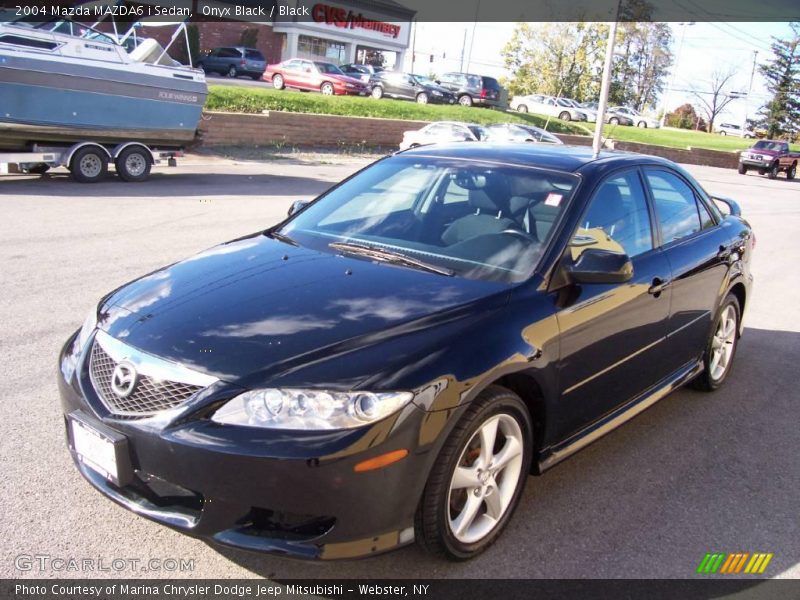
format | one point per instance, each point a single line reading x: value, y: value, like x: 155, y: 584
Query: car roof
x: 562, y: 158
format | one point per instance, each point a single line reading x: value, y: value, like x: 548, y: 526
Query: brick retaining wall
x: 277, y: 128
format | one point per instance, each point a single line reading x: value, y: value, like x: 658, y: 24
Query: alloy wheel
x: 485, y: 479
x: 722, y: 345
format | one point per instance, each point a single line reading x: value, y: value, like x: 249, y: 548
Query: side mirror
x: 731, y: 205
x: 600, y: 266
x: 297, y: 206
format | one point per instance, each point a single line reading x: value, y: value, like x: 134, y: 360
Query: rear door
x: 699, y: 252
x: 612, y: 334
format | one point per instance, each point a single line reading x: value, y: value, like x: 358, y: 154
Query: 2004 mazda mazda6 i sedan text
x: 393, y: 360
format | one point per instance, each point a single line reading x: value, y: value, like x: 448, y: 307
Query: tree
x: 713, y: 100
x: 685, y: 117
x: 641, y: 63
x: 556, y: 59
x: 781, y: 115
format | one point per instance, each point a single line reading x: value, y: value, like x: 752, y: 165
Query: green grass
x: 680, y: 138
x: 255, y: 100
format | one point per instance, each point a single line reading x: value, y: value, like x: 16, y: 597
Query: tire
x: 522, y: 108
x: 377, y: 92
x: 278, y: 83
x: 133, y: 164
x: 565, y: 116
x: 444, y: 507
x: 422, y: 98
x: 232, y: 72
x: 465, y: 100
x: 773, y: 171
x: 642, y: 124
x: 714, y: 375
x: 742, y: 169
x: 613, y: 121
x: 327, y: 89
x: 89, y: 165
x: 792, y: 171
x: 722, y: 133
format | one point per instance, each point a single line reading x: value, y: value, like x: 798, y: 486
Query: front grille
x: 149, y: 395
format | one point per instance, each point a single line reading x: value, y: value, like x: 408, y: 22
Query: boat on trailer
x: 67, y: 82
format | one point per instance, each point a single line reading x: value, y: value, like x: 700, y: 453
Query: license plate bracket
x: 100, y: 448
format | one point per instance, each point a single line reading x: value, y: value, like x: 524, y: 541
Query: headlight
x: 309, y: 409
x: 86, y: 330
x: 70, y: 360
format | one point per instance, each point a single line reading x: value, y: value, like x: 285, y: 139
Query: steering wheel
x: 523, y: 234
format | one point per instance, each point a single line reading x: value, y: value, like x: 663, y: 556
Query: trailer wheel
x: 89, y: 165
x: 133, y: 164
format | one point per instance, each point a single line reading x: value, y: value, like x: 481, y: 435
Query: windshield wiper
x: 389, y: 256
x: 281, y: 237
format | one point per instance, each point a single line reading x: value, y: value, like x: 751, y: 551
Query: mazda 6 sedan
x: 392, y: 361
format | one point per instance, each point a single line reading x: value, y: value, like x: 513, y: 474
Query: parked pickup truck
x: 770, y: 157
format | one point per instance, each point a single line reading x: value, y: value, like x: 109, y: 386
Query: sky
x: 705, y: 47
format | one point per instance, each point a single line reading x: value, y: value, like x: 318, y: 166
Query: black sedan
x: 406, y: 86
x: 391, y: 362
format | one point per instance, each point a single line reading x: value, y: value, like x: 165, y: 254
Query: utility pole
x: 605, y: 84
x: 474, y: 26
x: 749, y: 91
x: 463, y: 50
x: 413, y: 47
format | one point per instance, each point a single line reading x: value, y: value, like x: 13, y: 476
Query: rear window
x: 255, y: 55
x: 490, y: 83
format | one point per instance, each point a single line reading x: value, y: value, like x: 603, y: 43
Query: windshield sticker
x: 553, y: 199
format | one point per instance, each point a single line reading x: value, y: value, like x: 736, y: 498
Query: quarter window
x: 617, y: 218
x: 675, y: 204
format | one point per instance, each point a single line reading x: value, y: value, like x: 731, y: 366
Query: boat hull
x: 59, y: 101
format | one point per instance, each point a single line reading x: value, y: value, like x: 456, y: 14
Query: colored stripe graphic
x: 733, y: 563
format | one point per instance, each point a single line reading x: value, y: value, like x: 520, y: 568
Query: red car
x: 313, y: 75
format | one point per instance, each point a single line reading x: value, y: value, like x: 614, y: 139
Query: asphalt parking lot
x: 696, y: 473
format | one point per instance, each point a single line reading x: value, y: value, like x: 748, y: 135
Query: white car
x: 516, y: 132
x: 734, y: 130
x: 563, y: 108
x: 443, y: 132
x: 638, y: 119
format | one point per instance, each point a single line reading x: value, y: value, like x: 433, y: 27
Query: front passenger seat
x: 491, y: 215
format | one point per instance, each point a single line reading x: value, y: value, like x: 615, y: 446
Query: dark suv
x: 473, y: 89
x: 234, y: 61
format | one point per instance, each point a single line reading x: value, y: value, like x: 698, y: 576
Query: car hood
x: 257, y: 305
x: 763, y: 151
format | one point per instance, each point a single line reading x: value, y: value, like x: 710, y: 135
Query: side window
x: 675, y: 204
x: 617, y: 218
x: 705, y: 218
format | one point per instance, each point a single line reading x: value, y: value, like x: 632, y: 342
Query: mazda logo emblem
x: 123, y: 379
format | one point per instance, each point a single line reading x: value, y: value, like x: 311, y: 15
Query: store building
x: 337, y: 31
x: 352, y: 31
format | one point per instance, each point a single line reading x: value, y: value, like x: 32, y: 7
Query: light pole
x: 664, y: 104
x: 604, y: 85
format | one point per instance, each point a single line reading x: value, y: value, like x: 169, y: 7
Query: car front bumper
x: 759, y: 163
x: 290, y: 493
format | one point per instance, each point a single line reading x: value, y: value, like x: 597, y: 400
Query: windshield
x: 476, y: 220
x: 328, y: 68
x: 564, y: 102
x: 479, y: 132
x: 774, y: 146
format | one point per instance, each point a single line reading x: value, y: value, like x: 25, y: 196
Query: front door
x: 612, y: 334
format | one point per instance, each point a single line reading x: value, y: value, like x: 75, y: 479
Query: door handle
x: 658, y: 285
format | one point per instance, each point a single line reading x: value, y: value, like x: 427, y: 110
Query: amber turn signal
x: 378, y: 462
